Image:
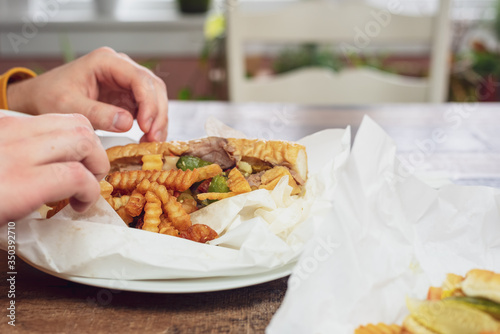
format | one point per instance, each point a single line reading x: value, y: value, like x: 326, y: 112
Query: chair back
x: 353, y: 27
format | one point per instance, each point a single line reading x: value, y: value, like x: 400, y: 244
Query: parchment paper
x: 260, y: 231
x: 385, y: 235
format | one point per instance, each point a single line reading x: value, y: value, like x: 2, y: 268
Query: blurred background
x: 184, y: 42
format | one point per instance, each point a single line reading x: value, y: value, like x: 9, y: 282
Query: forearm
x: 12, y: 96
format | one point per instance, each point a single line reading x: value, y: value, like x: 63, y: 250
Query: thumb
x: 104, y: 116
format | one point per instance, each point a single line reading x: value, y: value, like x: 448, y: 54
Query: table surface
x: 457, y: 141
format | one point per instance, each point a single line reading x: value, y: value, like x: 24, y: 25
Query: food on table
x: 249, y: 155
x: 379, y: 328
x: 462, y: 305
x: 156, y: 186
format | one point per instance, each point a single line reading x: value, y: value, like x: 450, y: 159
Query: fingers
x: 67, y: 180
x: 55, y: 157
x: 53, y: 138
x: 24, y: 190
x: 103, y: 116
x: 122, y: 89
x: 22, y: 127
x: 159, y: 128
x: 153, y: 119
x: 148, y: 90
x: 78, y: 144
x: 151, y: 97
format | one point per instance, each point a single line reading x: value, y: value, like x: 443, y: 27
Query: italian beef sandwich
x: 156, y: 186
x: 462, y: 305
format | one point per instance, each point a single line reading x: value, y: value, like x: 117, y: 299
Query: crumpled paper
x: 260, y: 231
x: 385, y: 235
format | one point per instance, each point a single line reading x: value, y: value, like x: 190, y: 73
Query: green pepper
x: 481, y: 304
x: 185, y: 195
x: 218, y: 184
x: 189, y: 162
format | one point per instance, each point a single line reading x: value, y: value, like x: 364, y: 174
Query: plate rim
x: 177, y: 286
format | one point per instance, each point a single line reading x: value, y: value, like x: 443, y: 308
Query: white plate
x: 188, y: 285
x: 193, y: 285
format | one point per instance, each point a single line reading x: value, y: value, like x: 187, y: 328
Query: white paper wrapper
x: 260, y: 231
x: 385, y: 236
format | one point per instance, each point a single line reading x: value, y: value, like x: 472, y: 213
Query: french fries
x: 152, y: 212
x: 118, y: 202
x: 215, y: 196
x: 237, y: 182
x: 272, y: 176
x: 173, y: 179
x: 379, y: 328
x: 199, y: 233
x: 135, y: 204
x: 56, y: 207
x: 152, y: 206
x: 128, y: 219
x: 159, y: 195
x: 176, y: 214
x: 152, y: 162
x: 208, y: 172
x: 166, y: 227
x: 106, y: 189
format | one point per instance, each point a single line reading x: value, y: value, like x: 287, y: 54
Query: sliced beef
x: 254, y: 179
x: 297, y: 177
x: 294, y: 174
x: 211, y: 149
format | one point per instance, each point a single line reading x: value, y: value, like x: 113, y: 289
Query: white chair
x: 352, y: 26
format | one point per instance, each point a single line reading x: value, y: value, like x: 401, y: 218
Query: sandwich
x: 156, y: 186
x: 469, y: 304
x: 253, y: 157
x: 462, y: 305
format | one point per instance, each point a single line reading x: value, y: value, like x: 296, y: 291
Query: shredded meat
x: 121, y: 168
x: 254, y: 179
x: 212, y: 149
x: 297, y: 177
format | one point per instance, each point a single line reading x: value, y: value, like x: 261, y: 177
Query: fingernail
x: 121, y: 121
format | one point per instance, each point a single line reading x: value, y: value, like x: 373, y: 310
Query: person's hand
x: 107, y: 87
x: 46, y: 159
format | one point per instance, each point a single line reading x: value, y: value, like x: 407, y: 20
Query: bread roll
x: 232, y: 150
x: 482, y: 283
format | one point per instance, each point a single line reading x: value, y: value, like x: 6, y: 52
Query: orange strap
x: 11, y: 76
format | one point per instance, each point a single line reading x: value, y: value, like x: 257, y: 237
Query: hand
x: 106, y: 87
x: 46, y: 159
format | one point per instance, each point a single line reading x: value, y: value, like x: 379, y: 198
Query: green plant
x: 476, y: 72
x: 307, y: 55
x: 496, y: 22
x: 486, y: 63
x: 313, y: 55
x: 66, y: 48
x: 212, y: 62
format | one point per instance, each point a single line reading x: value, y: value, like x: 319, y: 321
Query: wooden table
x: 468, y: 152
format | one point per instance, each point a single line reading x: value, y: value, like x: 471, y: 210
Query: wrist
x: 13, y: 101
x: 13, y: 92
x: 17, y: 97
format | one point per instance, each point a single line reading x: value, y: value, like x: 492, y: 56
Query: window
x: 462, y: 9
